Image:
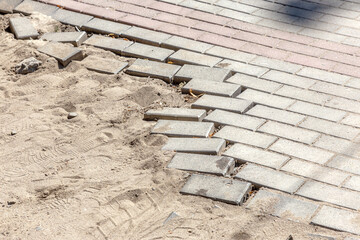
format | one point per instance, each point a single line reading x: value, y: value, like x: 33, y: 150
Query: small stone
x: 72, y: 115
x: 170, y: 217
x: 13, y: 132
x: 28, y: 65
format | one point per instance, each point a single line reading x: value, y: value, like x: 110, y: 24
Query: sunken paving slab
x: 108, y: 43
x: 266, y: 99
x: 7, y: 6
x: 145, y: 36
x: 188, y: 57
x: 28, y: 7
x: 188, y: 72
x: 284, y: 206
x: 210, y: 102
x: 199, y: 86
x: 102, y: 26
x: 266, y: 177
x: 146, y: 68
x: 239, y: 67
x: 184, y: 114
x: 246, y: 81
x: 23, y: 28
x: 244, y: 154
x: 75, y: 38
x: 239, y: 135
x: 177, y: 43
x: 174, y: 128
x: 338, y: 219
x: 217, y: 188
x: 103, y: 65
x: 71, y: 18
x: 140, y: 50
x: 218, y: 165
x: 220, y: 117
x: 64, y: 53
x: 212, y: 146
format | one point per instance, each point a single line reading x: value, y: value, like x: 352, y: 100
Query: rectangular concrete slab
x: 176, y: 43
x: 217, y: 188
x: 107, y: 43
x: 199, y: 86
x: 71, y: 18
x: 266, y: 177
x: 28, y: 7
x: 217, y: 165
x: 145, y: 36
x: 140, y: 50
x: 345, y: 163
x: 275, y: 114
x: 212, y: 146
x: 231, y: 54
x: 283, y: 206
x: 303, y: 94
x: 174, y: 128
x: 188, y: 57
x: 103, y: 65
x: 102, y: 26
x: 184, y: 114
x: 239, y: 67
x: 23, y: 28
x: 266, y: 99
x: 7, y: 6
x: 188, y: 72
x: 246, y: 81
x: 288, y: 79
x: 353, y: 183
x: 64, y: 53
x: 75, y: 38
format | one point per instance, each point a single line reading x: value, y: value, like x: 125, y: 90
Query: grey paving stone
x: 330, y: 194
x: 145, y: 36
x: 103, y: 65
x: 145, y: 68
x: 23, y: 28
x: 344, y: 104
x: 7, y: 6
x: 228, y: 53
x: 28, y: 7
x: 199, y: 86
x: 339, y: 145
x: 210, y: 102
x: 345, y: 163
x: 303, y: 95
x: 283, y: 206
x: 218, y: 165
x: 352, y: 120
x: 338, y: 219
x: 176, y: 43
x: 140, y: 50
x: 217, y: 188
x: 102, y: 26
x: 353, y: 82
x: 267, y: 177
x: 276, y: 64
x: 275, y: 114
x: 353, y: 183
x: 188, y: 72
x: 174, y: 128
x: 239, y: 135
x: 323, y: 75
x: 335, y: 89
x: 266, y: 99
x: 288, y: 79
x: 220, y: 117
x: 71, y: 18
x: 75, y: 38
x: 302, y: 151
x: 246, y: 81
x: 184, y: 114
x: 244, y: 154
x: 187, y: 57
x: 238, y: 67
x: 61, y: 52
x: 212, y: 146
x: 200, y: 6
x: 108, y: 43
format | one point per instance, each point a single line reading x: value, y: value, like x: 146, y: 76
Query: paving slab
x: 7, y: 6
x: 102, y: 26
x: 75, y: 38
x: 276, y: 114
x: 244, y: 154
x: 239, y: 67
x: 199, y: 86
x: 103, y: 65
x: 188, y: 72
x: 353, y: 183
x: 266, y: 99
x: 303, y: 95
x: 211, y: 146
x: 146, y: 68
x: 107, y: 43
x: 71, y: 18
x: 174, y: 128
x: 267, y: 177
x: 220, y: 117
x: 289, y: 79
x: 276, y: 64
x: 239, y: 135
x: 217, y: 188
x: 188, y: 57
x: 345, y: 163
x: 184, y: 114
x: 28, y: 7
x: 218, y: 165
x: 283, y: 206
x: 246, y: 81
x: 210, y: 102
x: 176, y: 43
x: 64, y: 53
x: 140, y: 50
x: 323, y: 75
x: 23, y: 28
x: 145, y: 36
x: 228, y: 53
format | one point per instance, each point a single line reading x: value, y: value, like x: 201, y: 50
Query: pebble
x: 72, y: 115
x: 13, y: 132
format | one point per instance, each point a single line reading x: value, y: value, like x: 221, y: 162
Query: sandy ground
x: 100, y: 175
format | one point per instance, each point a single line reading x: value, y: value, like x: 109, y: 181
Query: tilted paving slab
x: 23, y: 28
x: 145, y: 36
x: 8, y: 6
x: 266, y: 99
x: 283, y: 206
x: 199, y: 86
x: 104, y: 65
x: 239, y: 67
x: 75, y: 38
x: 217, y: 188
x: 212, y: 146
x: 174, y: 128
x: 210, y: 102
x: 188, y: 72
x: 345, y: 163
x: 176, y: 43
x: 140, y: 50
x: 218, y: 165
x: 184, y: 114
x: 64, y: 53
x: 246, y: 81
x: 267, y: 177
x: 102, y: 26
x: 188, y: 57
x: 71, y: 18
x: 28, y: 7
x: 275, y: 114
x: 276, y: 64
x: 107, y: 43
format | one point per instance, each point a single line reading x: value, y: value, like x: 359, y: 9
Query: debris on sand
x: 28, y: 65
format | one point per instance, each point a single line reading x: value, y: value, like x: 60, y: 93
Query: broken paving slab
x: 183, y: 114
x: 145, y: 36
x: 173, y: 128
x: 217, y: 188
x: 64, y: 53
x: 211, y: 146
x: 102, y: 26
x: 218, y: 165
x: 8, y: 6
x: 140, y: 50
x: 28, y: 7
x: 146, y: 68
x: 75, y: 38
x: 188, y: 57
x: 107, y: 43
x: 71, y: 18
x: 283, y: 206
x: 188, y: 72
x: 103, y: 65
x: 23, y: 28
x: 199, y: 86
